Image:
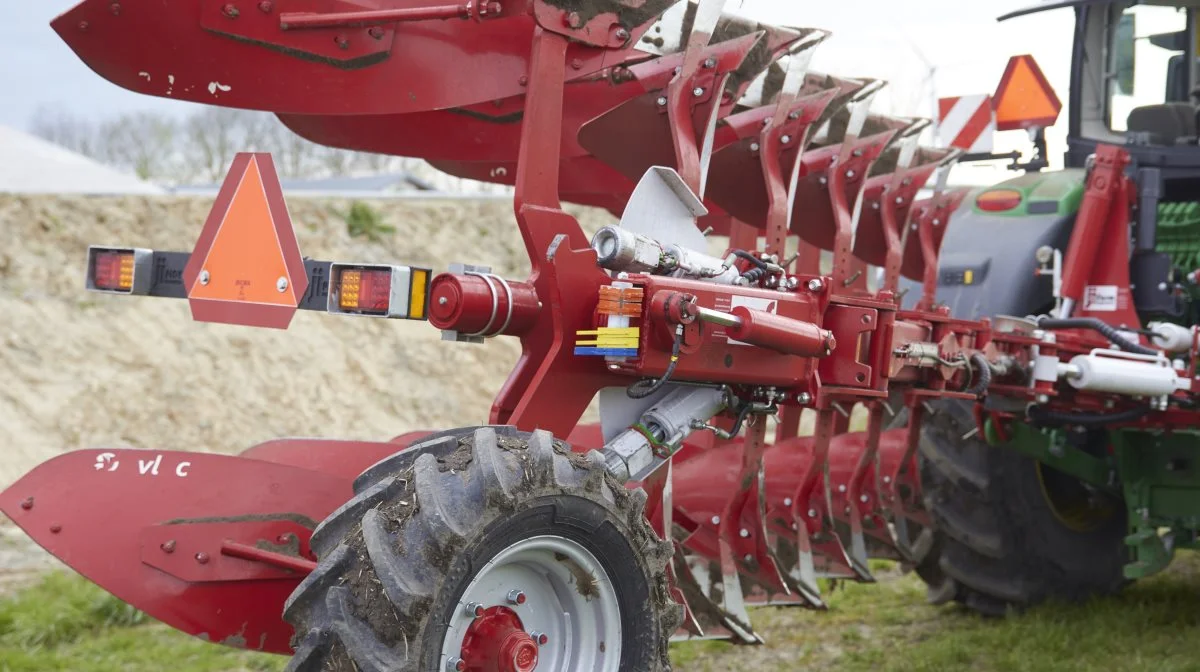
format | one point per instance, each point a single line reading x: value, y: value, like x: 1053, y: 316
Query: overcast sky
x: 958, y: 42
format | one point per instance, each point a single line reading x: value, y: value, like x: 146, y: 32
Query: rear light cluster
x: 119, y: 270
x: 999, y: 200
x: 399, y: 292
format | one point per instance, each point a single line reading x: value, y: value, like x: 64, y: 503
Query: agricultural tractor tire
x: 493, y: 549
x: 1009, y: 532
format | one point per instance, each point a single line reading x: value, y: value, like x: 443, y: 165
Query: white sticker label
x: 109, y: 462
x: 1100, y: 298
x: 753, y: 303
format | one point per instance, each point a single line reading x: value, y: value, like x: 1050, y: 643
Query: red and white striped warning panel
x: 967, y: 122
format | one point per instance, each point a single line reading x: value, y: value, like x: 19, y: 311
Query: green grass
x: 64, y: 623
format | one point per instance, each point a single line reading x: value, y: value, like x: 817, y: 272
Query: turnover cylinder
x: 781, y: 334
x: 482, y: 304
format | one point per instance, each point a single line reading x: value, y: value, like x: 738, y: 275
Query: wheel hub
x: 497, y: 642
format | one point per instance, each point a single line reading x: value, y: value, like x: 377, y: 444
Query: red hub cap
x: 497, y: 642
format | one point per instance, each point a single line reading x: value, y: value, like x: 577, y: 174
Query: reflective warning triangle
x: 246, y: 267
x: 1024, y: 98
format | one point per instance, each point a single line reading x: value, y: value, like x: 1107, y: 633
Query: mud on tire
x: 997, y: 542
x: 395, y: 560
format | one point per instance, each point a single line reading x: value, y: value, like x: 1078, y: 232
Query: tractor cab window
x: 1149, y: 81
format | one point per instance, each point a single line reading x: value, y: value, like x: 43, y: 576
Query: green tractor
x: 1068, y: 506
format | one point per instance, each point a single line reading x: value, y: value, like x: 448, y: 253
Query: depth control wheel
x: 509, y: 552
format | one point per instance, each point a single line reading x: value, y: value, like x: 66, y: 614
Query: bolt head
x: 710, y: 62
x: 841, y: 488
x: 864, y: 499
x: 815, y: 285
x: 27, y: 503
x: 621, y: 34
x: 168, y: 546
x: 473, y: 609
x: 83, y: 25
x: 786, y: 139
x: 748, y: 559
x: 204, y: 277
x: 281, y: 284
x: 230, y: 10
x: 812, y: 513
x: 716, y: 520
x: 850, y: 173
x: 662, y: 101
x: 455, y: 665
x: 574, y: 20
x: 541, y: 638
x: 375, y: 32
x: 698, y: 91
x: 787, y: 501
x: 754, y: 146
x: 265, y: 6
x: 744, y: 533
x: 115, y: 8
x: 516, y: 597
x: 55, y: 528
x: 803, y: 397
x: 202, y: 558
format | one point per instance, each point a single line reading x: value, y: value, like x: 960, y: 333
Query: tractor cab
x: 1134, y: 79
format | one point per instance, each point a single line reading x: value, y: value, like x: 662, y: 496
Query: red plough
x: 497, y: 547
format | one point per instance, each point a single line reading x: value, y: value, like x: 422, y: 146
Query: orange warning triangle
x: 1025, y: 98
x: 247, y: 264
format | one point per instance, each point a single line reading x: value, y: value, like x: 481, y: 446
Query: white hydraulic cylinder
x: 1124, y: 373
x: 1171, y: 337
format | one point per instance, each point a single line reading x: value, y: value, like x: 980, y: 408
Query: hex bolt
x: 804, y: 397
x: 842, y: 488
x: 204, y: 277
x: 202, y: 558
x: 540, y: 637
x: 523, y: 80
x: 621, y: 34
x: 787, y: 501
x: 285, y: 538
x: 230, y: 11
x: 473, y: 609
x: 754, y: 146
x: 168, y: 546
x: 376, y: 32
x: 55, y: 528
x: 342, y: 42
x: 442, y: 301
x: 27, y: 503
x: 662, y: 101
x: 455, y: 665
x: 815, y: 285
x: 710, y: 62
x: 716, y: 520
x: 281, y: 284
x: 850, y: 173
x: 115, y: 8
x: 516, y: 597
x: 698, y: 91
x: 887, y: 479
x: 866, y: 319
x: 744, y: 533
x: 812, y: 513
x: 83, y: 25
x: 573, y: 20
x: 748, y: 559
x: 864, y: 499
x: 786, y: 139
x: 265, y: 6
x: 576, y: 64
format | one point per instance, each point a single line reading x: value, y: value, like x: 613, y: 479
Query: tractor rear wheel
x: 1008, y: 532
x: 509, y: 552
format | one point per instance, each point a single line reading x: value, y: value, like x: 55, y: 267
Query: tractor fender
x: 987, y: 263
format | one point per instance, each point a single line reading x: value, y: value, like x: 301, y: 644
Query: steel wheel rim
x: 568, y: 597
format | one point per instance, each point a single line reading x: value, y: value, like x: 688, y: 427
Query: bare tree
x: 65, y: 129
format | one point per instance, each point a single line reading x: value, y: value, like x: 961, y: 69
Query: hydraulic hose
x: 1042, y: 416
x: 1094, y: 324
x: 985, y: 375
x: 648, y: 386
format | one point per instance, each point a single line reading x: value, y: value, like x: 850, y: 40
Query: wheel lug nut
x: 516, y: 596
x: 456, y: 665
x: 540, y: 637
x: 474, y: 609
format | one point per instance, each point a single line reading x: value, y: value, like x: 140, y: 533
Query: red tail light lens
x: 113, y: 271
x: 998, y: 200
x: 365, y: 291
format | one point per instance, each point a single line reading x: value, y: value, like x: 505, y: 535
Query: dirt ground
x: 84, y: 370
